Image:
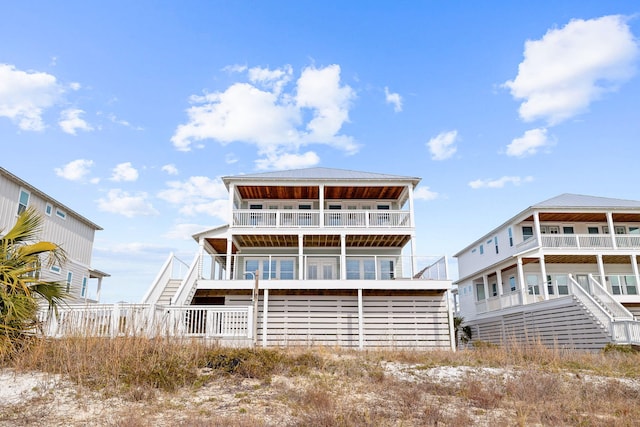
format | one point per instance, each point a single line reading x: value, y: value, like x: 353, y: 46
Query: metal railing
x: 325, y: 267
x: 148, y: 320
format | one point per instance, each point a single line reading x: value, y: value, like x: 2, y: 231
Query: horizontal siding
x: 390, y: 321
x: 565, y: 326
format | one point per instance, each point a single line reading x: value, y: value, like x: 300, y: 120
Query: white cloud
x: 500, y: 182
x: 393, y: 98
x: 124, y: 172
x: 75, y: 86
x: 443, y: 146
x: 262, y: 113
x: 198, y: 194
x: 529, y: 143
x: 171, y: 169
x: 184, y: 231
x: 424, y: 193
x: 288, y: 161
x: 570, y: 67
x: 75, y: 170
x: 127, y: 204
x: 70, y: 121
x: 24, y: 95
x: 137, y: 248
x: 230, y: 159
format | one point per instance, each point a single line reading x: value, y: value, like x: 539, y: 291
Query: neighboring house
x: 61, y: 226
x: 335, y: 255
x: 563, y: 271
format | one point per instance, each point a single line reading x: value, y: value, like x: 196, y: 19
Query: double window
x: 276, y: 268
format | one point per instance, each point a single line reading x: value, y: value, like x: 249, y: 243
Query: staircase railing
x: 187, y: 288
x: 617, y: 310
x: 595, y: 308
x: 155, y: 291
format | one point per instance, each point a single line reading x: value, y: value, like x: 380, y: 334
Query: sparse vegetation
x: 169, y: 382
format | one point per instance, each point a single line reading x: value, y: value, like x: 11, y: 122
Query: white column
x: 414, y: 261
x: 229, y: 250
x: 301, y: 275
x: 321, y: 204
x: 452, y: 334
x: 536, y: 228
x: 543, y: 270
x: 523, y: 289
x: 200, y: 256
x: 100, y: 289
x: 265, y: 316
x: 343, y: 257
x: 612, y: 230
x: 232, y: 191
x: 360, y: 321
x: 601, y: 271
x: 634, y: 266
x: 499, y: 285
x: 485, y: 283
x: 411, y: 218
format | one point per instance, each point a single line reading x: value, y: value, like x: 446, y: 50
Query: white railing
x: 531, y: 242
x: 311, y: 218
x: 111, y: 320
x: 603, y: 316
x: 628, y: 240
x: 173, y: 268
x: 626, y: 332
x: 320, y: 267
x: 616, y: 309
x: 590, y: 241
x: 187, y: 287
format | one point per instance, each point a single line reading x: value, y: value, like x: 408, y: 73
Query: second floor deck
x: 321, y: 219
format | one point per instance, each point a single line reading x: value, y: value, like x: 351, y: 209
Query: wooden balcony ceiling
x: 580, y: 259
x: 220, y: 246
x: 319, y: 241
x: 585, y: 217
x: 312, y: 192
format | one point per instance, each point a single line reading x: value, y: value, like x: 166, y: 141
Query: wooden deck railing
x: 112, y: 320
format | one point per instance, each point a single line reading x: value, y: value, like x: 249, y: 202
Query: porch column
x: 229, y: 250
x: 523, y: 290
x: 612, y: 230
x: 360, y: 321
x: 601, y: 271
x: 99, y: 290
x: 321, y: 204
x: 536, y: 227
x: 485, y: 283
x: 414, y: 261
x: 543, y: 270
x: 200, y: 256
x: 634, y: 266
x: 301, y: 275
x: 232, y: 193
x: 499, y: 285
x: 452, y: 333
x: 343, y: 257
x: 265, y: 316
x: 411, y: 218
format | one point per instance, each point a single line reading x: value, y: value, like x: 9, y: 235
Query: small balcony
x: 253, y: 218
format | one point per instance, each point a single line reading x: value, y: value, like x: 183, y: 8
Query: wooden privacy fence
x: 149, y: 320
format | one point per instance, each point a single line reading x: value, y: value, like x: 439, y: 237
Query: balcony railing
x: 326, y: 267
x: 583, y: 241
x: 311, y: 218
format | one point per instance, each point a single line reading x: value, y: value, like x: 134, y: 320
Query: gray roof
x: 322, y: 174
x: 568, y: 200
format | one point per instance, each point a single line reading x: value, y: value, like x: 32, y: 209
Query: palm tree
x: 21, y: 289
x: 463, y: 334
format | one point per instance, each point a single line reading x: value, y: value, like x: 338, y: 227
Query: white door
x: 322, y: 269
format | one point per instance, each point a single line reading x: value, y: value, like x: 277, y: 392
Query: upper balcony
x: 583, y: 241
x: 287, y: 218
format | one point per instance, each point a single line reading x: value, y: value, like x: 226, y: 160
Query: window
x: 278, y: 268
x: 495, y: 240
x: 23, y: 201
x: 527, y: 232
x: 69, y: 279
x: 592, y: 230
x: 634, y: 230
x: 84, y: 286
x: 512, y: 283
x: 480, y: 291
x: 55, y: 268
x: 48, y: 209
x: 494, y: 290
x: 532, y: 284
x: 510, y: 237
x: 567, y: 230
x: 620, y: 229
x: 386, y: 269
x: 481, y: 249
x: 361, y: 269
x: 62, y: 214
x: 549, y: 229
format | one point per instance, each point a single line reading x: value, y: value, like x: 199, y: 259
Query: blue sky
x: 130, y: 112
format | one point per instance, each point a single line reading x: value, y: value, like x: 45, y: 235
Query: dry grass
x: 139, y: 382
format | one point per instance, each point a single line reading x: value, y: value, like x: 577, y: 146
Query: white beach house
x: 563, y: 271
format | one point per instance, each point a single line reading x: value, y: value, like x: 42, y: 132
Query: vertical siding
x: 389, y: 321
